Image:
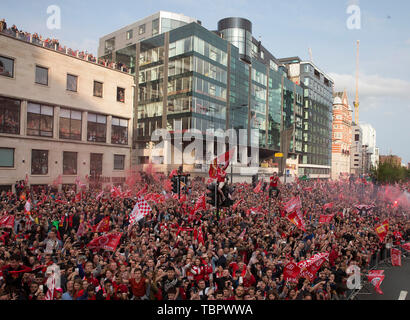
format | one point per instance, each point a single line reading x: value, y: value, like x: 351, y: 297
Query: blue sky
x: 286, y: 28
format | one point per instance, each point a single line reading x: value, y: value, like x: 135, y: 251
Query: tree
x: 387, y: 172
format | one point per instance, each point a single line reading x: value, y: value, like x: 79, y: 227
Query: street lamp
x: 235, y: 108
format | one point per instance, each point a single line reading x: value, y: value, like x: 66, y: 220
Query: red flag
x: 296, y: 219
x: 142, y: 191
x: 99, y: 195
x: 78, y: 197
x: 107, y: 242
x: 200, y: 203
x: 406, y: 246
x: 292, y: 205
x: 141, y: 209
x: 328, y: 206
x: 183, y: 199
x: 398, y: 235
x: 103, y: 225
x: 376, y: 278
x: 311, y: 266
x: 291, y: 272
x: 326, y: 218
x: 7, y: 222
x: 115, y: 193
x: 395, y: 257
x: 173, y: 173
x: 242, y: 234
x: 235, y: 205
x: 258, y: 187
x: 382, y: 229
x: 200, y: 236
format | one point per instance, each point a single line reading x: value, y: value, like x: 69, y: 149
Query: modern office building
x: 369, y: 140
x: 317, y: 116
x: 120, y: 41
x: 193, y: 78
x: 356, y: 153
x: 341, y: 136
x: 61, y: 115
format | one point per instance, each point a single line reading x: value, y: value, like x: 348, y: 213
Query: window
x: 356, y: 137
x: 96, y: 164
x: 39, y: 120
x: 129, y: 34
x: 69, y: 163
x: 6, y: 157
x: 6, y: 67
x: 72, y: 82
x: 70, y: 124
x: 119, y: 131
x: 119, y: 161
x: 141, y: 29
x: 96, y: 128
x: 120, y: 94
x: 9, y: 116
x: 39, y: 162
x: 155, y: 27
x: 98, y: 89
x: 42, y: 75
x: 109, y: 45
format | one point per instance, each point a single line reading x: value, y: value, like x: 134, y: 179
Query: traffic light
x: 174, y: 182
x: 211, y: 194
x: 227, y: 192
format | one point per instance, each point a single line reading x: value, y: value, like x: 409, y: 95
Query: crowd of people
x: 175, y: 253
x: 52, y: 43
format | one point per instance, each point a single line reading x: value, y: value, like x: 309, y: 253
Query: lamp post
x: 235, y: 108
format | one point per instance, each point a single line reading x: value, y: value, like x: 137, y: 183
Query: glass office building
x: 191, y: 77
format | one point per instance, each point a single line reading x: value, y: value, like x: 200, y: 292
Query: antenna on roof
x: 310, y: 54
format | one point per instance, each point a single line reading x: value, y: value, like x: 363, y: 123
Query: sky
x: 286, y: 28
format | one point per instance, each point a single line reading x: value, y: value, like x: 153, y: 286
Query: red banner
x: 103, y: 225
x: 326, y: 218
x: 296, y: 218
x: 376, y: 278
x: 406, y: 246
x: 7, y: 222
x: 291, y: 272
x: 382, y: 229
x: 395, y: 257
x: 328, y: 206
x: 258, y: 188
x: 108, y: 242
x: 292, y: 205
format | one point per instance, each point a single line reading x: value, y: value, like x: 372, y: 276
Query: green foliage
x: 388, y: 172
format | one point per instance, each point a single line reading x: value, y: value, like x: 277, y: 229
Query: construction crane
x: 356, y: 102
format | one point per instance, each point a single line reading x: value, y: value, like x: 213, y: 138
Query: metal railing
x: 54, y: 45
x: 380, y: 259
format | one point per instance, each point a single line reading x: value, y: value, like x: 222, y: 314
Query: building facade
x: 317, y: 116
x: 369, y: 141
x: 395, y: 160
x: 356, y: 154
x: 341, y: 136
x: 116, y: 45
x: 61, y: 116
x: 193, y: 78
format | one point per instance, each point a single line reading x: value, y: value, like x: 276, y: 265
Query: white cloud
x: 372, y: 87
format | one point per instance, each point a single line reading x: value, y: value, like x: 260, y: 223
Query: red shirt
x: 273, y: 181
